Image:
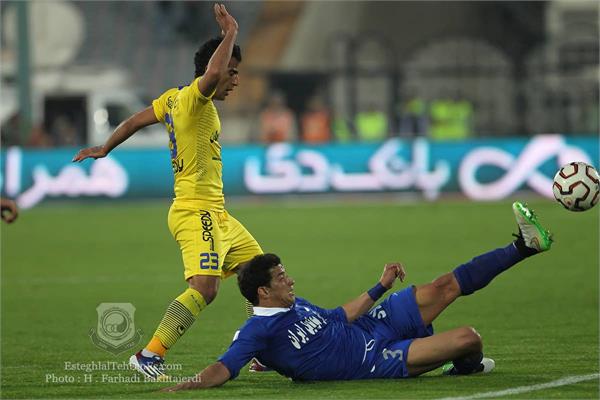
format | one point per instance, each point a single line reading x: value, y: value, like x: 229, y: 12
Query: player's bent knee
x: 469, y: 340
x: 447, y: 287
x: 207, y: 286
x: 209, y: 295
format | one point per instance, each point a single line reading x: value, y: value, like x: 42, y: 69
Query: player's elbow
x: 215, y: 375
x: 351, y: 313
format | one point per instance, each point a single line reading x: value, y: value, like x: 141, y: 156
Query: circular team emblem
x: 115, y: 331
x: 116, y: 323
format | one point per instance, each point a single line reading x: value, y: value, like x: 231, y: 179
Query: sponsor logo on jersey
x: 177, y: 165
x: 207, y: 226
x: 305, y: 329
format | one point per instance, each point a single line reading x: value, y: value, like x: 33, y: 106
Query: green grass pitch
x: 539, y: 320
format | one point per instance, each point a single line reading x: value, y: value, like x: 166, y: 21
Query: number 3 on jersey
x: 209, y: 260
x: 177, y: 165
x: 171, y: 129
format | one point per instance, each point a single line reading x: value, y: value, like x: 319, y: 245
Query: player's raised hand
x: 90, y: 152
x: 224, y: 19
x: 391, y: 272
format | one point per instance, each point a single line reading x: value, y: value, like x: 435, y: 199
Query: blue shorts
x: 390, y: 329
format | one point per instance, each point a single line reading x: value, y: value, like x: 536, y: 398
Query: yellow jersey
x: 193, y: 126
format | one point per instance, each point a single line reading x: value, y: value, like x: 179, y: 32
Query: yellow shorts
x: 212, y: 242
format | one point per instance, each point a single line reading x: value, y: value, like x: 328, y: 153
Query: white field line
x: 569, y: 380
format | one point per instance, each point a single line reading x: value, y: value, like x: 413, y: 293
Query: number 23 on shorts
x: 209, y: 260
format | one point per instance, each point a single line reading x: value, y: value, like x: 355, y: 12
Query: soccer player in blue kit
x: 395, y: 339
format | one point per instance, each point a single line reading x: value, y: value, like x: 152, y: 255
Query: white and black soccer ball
x: 576, y: 186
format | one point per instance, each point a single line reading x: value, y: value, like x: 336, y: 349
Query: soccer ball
x: 576, y: 186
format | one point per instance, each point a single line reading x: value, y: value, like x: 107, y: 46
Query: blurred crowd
x: 62, y: 131
x: 440, y: 119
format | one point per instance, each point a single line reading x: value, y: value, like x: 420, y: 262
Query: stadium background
x: 361, y: 132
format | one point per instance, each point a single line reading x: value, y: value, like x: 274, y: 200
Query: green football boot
x: 534, y: 235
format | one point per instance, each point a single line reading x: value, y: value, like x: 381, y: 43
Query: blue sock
x: 480, y: 271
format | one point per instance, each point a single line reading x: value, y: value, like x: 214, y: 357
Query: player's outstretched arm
x: 125, y: 130
x: 365, y: 301
x: 214, y: 375
x: 219, y: 61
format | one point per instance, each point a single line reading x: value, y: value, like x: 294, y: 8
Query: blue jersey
x: 306, y: 342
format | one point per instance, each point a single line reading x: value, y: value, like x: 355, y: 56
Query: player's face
x: 228, y: 80
x: 281, y: 289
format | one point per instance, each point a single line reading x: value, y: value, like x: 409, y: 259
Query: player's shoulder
x: 173, y: 90
x: 168, y: 96
x: 302, y: 302
x: 193, y: 91
x: 255, y: 327
x: 258, y: 321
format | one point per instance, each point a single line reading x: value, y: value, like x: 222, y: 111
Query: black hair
x: 256, y: 273
x: 205, y: 52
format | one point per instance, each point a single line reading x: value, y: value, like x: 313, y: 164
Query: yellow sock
x: 180, y: 315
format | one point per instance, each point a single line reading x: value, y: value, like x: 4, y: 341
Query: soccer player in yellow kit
x: 212, y: 242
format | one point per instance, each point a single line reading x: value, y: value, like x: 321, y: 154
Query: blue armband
x: 377, y: 291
